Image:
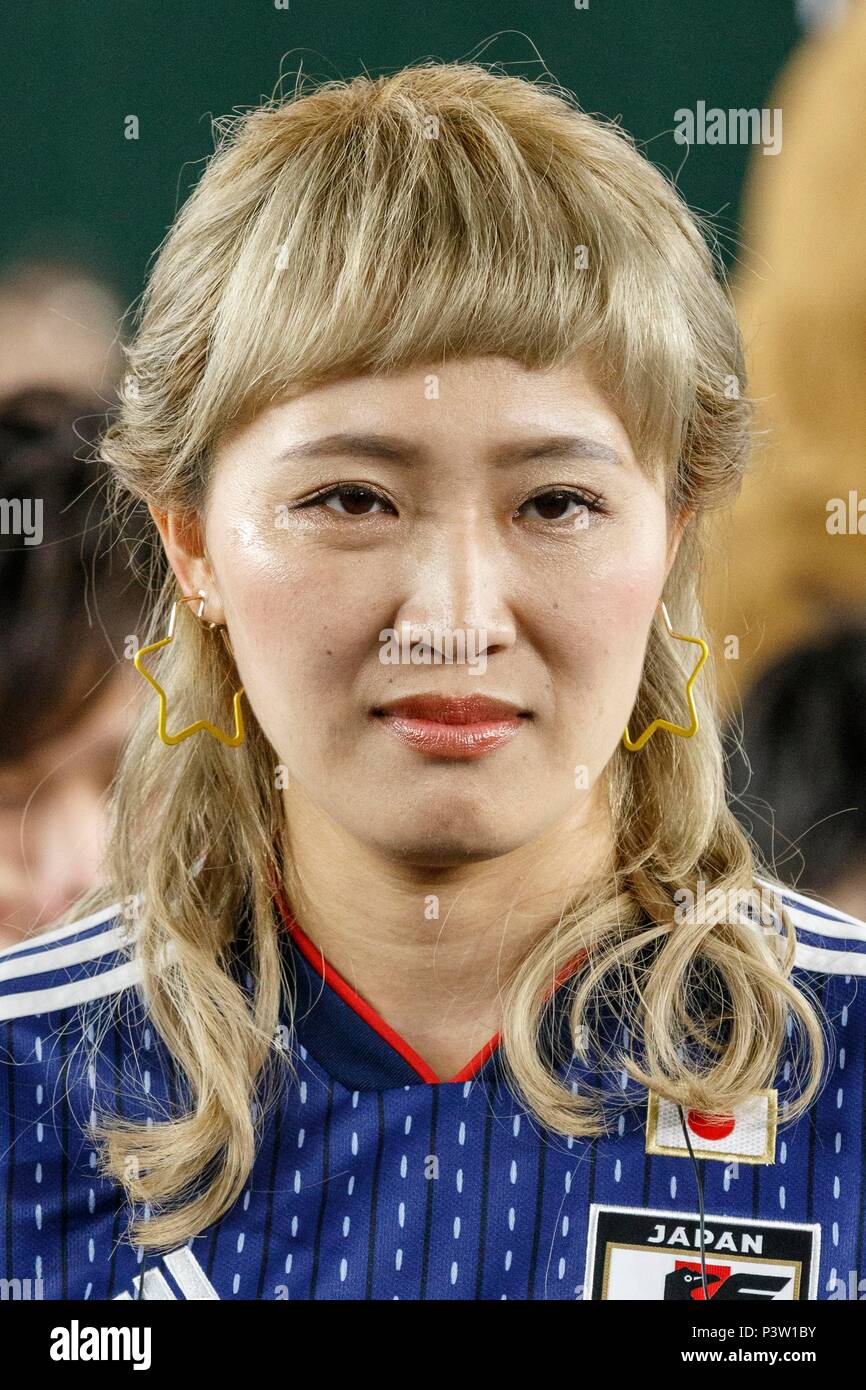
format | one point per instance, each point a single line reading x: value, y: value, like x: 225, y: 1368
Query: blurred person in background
x: 794, y: 565
x: 58, y: 327
x: 798, y: 772
x: 67, y: 603
x: 792, y: 588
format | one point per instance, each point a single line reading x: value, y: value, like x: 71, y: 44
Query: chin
x: 449, y: 853
x: 457, y: 836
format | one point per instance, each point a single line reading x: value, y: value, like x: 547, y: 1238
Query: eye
x: 554, y: 504
x: 349, y: 500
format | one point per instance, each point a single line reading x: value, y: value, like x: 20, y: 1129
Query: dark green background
x: 73, y: 69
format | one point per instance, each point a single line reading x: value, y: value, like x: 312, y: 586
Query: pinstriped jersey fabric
x: 373, y: 1181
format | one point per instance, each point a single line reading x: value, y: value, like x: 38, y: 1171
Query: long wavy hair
x: 362, y: 226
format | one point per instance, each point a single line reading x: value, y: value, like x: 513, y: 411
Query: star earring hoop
x: 684, y: 731
x: 231, y: 740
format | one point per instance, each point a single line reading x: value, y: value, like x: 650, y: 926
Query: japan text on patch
x: 638, y: 1254
x: 748, y: 1135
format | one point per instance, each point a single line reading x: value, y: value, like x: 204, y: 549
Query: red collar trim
x: 335, y: 980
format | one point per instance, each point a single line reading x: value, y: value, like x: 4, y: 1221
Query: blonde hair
x: 443, y: 211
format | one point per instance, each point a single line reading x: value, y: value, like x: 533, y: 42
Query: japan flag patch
x: 748, y: 1135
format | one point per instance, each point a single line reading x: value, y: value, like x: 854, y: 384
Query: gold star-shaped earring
x: 231, y: 740
x: 684, y: 731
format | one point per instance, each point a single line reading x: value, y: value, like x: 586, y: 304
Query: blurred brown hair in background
x: 785, y: 578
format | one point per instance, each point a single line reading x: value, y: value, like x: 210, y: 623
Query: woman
x: 413, y: 981
x: 66, y: 704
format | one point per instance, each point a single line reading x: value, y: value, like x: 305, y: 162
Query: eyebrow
x: 394, y: 450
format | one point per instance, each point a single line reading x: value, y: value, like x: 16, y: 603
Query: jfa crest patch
x: 636, y: 1254
x: 748, y: 1135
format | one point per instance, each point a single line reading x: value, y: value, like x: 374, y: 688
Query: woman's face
x: 359, y: 535
x: 53, y: 810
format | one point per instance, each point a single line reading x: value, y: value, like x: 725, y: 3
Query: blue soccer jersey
x: 376, y: 1179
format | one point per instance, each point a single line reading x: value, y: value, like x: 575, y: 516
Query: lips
x: 449, y: 726
x: 453, y: 709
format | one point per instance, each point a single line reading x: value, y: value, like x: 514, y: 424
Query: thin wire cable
x: 700, y: 1184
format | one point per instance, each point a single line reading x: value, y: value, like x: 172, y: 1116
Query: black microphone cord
x: 700, y: 1185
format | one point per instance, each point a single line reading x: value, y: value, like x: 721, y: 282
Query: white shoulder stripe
x: 805, y: 921
x: 806, y: 900
x: 830, y: 962
x: 81, y: 991
x: 27, y: 943
x: 60, y: 957
x: 815, y: 916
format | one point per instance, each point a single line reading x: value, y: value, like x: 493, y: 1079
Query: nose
x: 459, y: 583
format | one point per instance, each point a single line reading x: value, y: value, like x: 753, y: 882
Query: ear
x: 677, y: 527
x: 183, y: 540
